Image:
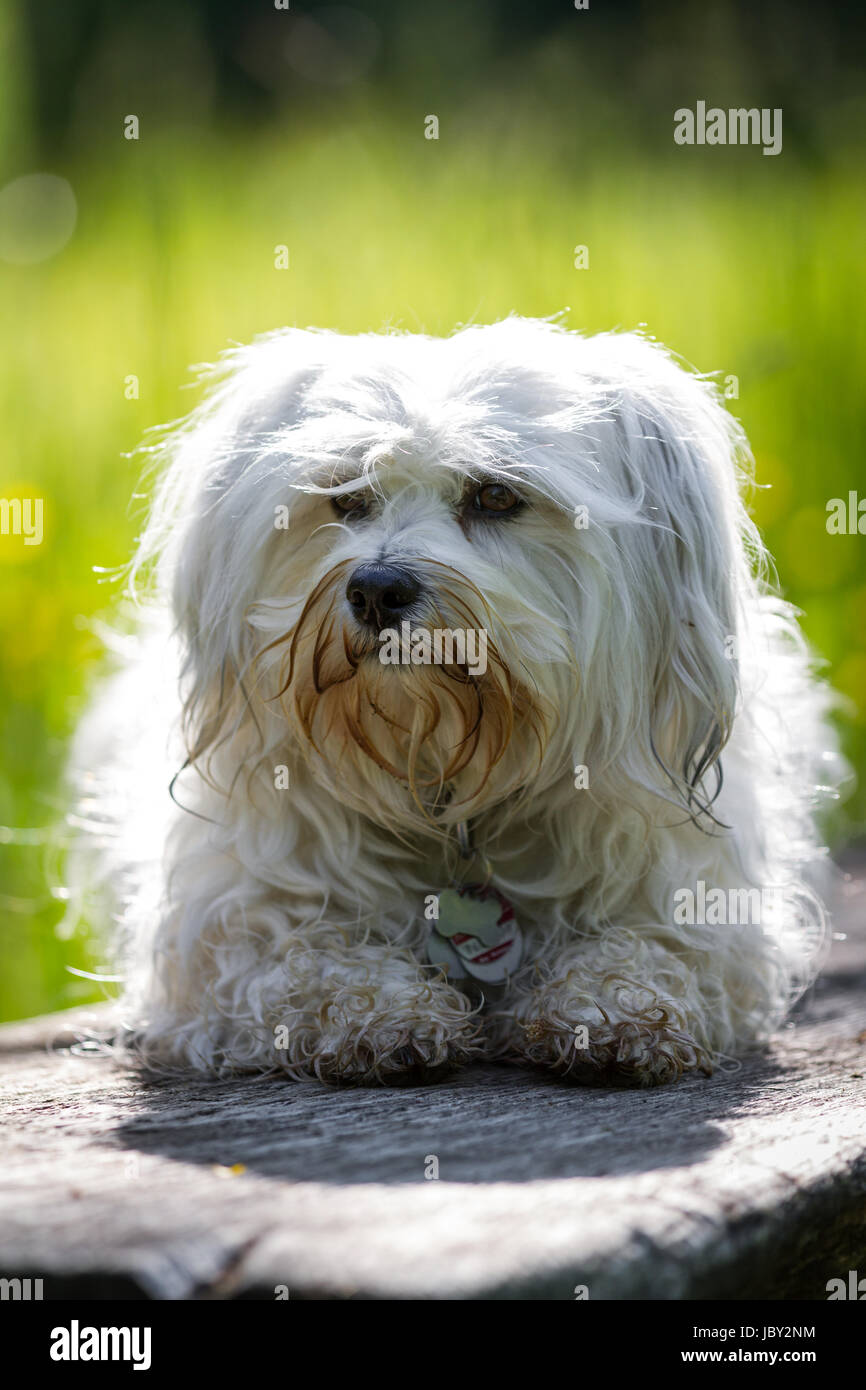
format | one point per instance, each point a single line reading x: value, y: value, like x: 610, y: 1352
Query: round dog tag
x: 476, y: 933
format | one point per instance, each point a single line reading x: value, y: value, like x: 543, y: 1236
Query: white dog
x: 465, y: 633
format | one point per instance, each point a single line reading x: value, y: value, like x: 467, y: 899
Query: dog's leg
x: 256, y: 995
x: 619, y: 1010
x: 375, y: 1017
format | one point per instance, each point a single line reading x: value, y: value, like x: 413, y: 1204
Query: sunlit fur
x: 644, y: 646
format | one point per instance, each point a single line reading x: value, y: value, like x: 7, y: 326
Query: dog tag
x: 476, y: 933
x: 441, y: 952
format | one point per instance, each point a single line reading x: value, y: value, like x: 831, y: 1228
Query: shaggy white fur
x: 631, y: 632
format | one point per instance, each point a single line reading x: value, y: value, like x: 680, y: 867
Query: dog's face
x: 434, y: 645
x: 443, y: 571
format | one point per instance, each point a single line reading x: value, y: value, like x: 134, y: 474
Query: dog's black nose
x: 379, y: 594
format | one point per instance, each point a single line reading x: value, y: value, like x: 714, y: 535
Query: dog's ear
x: 683, y: 456
x: 212, y: 534
x: 219, y: 469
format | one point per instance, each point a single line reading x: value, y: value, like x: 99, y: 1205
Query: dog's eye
x: 350, y: 503
x: 496, y: 498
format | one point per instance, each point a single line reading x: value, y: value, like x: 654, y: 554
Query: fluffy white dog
x: 465, y: 632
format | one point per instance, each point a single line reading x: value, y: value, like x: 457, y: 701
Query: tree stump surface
x: 751, y: 1184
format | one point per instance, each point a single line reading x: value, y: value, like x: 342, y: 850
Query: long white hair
x: 632, y: 633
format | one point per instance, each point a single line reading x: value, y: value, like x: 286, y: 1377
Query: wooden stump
x: 749, y: 1185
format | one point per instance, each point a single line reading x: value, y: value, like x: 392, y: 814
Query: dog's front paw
x: 416, y: 1034
x: 624, y: 1035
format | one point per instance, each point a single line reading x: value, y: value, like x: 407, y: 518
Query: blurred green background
x: 261, y: 127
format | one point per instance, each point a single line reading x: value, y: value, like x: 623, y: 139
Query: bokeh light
x: 38, y: 213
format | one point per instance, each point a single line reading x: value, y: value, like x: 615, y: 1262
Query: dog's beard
x: 453, y: 741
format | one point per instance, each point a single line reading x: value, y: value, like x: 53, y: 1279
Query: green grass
x: 749, y: 266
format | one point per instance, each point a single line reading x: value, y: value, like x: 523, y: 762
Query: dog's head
x: 444, y: 571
